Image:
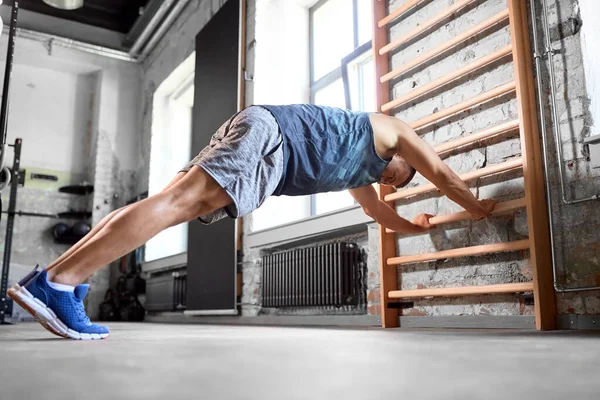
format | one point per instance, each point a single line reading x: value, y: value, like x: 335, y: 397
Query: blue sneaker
x: 62, y: 313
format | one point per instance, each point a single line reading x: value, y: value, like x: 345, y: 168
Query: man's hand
x: 422, y: 222
x: 484, y: 211
x: 381, y: 212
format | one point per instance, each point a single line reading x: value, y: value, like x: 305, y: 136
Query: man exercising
x: 261, y: 151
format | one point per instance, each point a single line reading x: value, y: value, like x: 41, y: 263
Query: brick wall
x: 492, y: 269
x: 577, y: 254
x: 252, y: 273
x: 579, y: 262
x: 577, y: 227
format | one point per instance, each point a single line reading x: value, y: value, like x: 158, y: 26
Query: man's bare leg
x: 55, y: 297
x: 193, y: 195
x: 99, y: 227
x: 85, y: 239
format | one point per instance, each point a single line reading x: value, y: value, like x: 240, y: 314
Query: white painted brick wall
x: 581, y: 263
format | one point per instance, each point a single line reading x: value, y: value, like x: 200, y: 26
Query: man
x: 259, y: 152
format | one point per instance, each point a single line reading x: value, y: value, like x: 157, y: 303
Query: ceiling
x: 114, y: 15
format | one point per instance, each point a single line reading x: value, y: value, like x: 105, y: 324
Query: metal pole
x: 3, y: 131
x: 164, y: 26
x: 10, y: 220
x: 59, y: 41
x: 8, y: 71
x: 149, y: 29
x: 31, y: 214
x: 550, y: 52
x: 537, y: 56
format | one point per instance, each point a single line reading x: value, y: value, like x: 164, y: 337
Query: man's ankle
x: 62, y: 278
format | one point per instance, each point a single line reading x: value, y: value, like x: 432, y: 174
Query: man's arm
x: 425, y: 160
x: 366, y: 196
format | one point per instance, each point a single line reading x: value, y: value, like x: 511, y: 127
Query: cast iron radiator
x: 166, y: 292
x: 328, y: 275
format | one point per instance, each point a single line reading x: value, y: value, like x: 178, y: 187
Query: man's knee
x: 197, y: 194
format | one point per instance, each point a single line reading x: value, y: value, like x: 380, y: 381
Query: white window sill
x: 175, y: 261
x: 345, y: 221
x: 348, y: 219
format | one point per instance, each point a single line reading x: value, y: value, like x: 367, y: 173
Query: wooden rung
x: 444, y: 80
x: 477, y: 29
x: 462, y: 291
x: 425, y: 26
x: 461, y: 252
x: 491, y: 170
x: 499, y: 209
x: 400, y: 11
x: 476, y: 137
x: 465, y: 105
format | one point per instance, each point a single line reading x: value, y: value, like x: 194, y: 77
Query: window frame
x: 332, y: 76
x: 358, y: 52
x: 335, y: 74
x: 333, y: 223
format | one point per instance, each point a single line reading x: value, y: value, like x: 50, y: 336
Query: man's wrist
x: 417, y: 228
x: 477, y: 209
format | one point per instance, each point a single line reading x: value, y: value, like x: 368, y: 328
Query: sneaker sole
x: 46, y: 317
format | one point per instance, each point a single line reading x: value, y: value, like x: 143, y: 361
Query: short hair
x: 411, y: 175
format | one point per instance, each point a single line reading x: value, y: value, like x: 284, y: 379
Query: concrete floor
x: 173, y: 362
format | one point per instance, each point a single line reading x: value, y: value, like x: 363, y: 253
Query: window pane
x: 333, y: 35
x: 365, y: 21
x: 368, y: 82
x: 326, y: 202
x: 171, y: 148
x: 361, y: 82
x: 332, y: 95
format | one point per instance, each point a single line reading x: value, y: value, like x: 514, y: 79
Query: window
x: 171, y: 144
x: 341, y: 57
x: 334, y: 68
x: 339, y: 29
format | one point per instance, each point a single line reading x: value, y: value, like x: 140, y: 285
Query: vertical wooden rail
x: 539, y: 237
x: 387, y: 241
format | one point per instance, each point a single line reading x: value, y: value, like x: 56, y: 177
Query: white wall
x: 59, y: 97
x: 51, y: 111
x: 590, y: 47
x: 81, y: 115
x: 118, y: 109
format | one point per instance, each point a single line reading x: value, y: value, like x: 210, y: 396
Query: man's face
x: 398, y: 173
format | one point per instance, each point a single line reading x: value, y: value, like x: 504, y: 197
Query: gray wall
x: 577, y: 227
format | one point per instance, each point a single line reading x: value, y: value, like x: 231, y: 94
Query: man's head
x: 398, y: 173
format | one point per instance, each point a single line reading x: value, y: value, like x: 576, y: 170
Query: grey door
x: 211, y: 271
